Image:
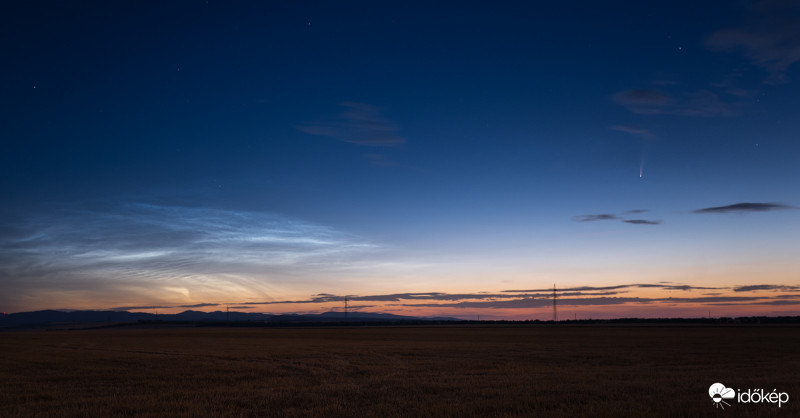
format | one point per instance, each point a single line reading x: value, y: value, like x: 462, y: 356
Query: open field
x: 397, y: 371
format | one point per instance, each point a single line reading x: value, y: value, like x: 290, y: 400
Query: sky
x: 420, y: 158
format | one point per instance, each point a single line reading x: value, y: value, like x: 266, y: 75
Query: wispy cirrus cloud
x: 146, y: 307
x: 641, y: 222
x: 586, y: 296
x: 601, y: 301
x: 769, y: 37
x: 641, y: 98
x: 635, y: 131
x: 612, y: 217
x: 517, y: 301
x: 760, y: 287
x: 662, y: 286
x: 360, y: 124
x: 352, y: 308
x: 745, y: 207
x: 545, y: 293
x: 737, y: 207
x: 702, y: 103
x: 594, y: 218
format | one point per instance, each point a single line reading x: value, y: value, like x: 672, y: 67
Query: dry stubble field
x: 396, y: 371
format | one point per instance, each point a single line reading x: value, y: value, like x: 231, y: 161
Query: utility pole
x: 227, y: 313
x: 555, y: 310
x: 345, y: 309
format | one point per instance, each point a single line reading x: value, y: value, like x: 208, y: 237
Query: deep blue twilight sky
x: 422, y: 157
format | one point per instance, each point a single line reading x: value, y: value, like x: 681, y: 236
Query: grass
x: 396, y: 371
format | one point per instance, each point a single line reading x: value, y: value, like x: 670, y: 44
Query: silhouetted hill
x: 50, y: 316
x: 56, y: 317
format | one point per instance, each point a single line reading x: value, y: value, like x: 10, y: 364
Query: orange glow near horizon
x: 597, y: 302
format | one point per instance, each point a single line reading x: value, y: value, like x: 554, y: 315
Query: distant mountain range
x: 52, y: 317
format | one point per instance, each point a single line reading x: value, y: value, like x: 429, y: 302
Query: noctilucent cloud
x: 420, y: 158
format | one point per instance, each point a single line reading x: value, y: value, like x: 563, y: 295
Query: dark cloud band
x: 744, y: 207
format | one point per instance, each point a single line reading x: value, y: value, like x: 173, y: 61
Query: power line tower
x: 227, y: 313
x: 345, y: 309
x: 555, y: 308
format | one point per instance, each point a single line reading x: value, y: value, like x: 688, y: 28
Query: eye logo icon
x: 718, y: 393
